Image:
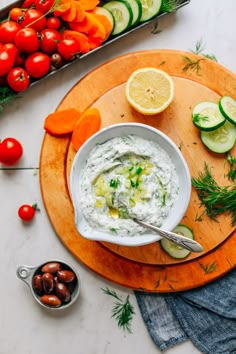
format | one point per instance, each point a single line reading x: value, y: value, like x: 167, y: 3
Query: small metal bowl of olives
x: 54, y: 284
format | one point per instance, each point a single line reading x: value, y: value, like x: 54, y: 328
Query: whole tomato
x: 8, y: 30
x: 7, y: 57
x: 37, y: 64
x: 27, y: 40
x: 34, y: 19
x: 69, y: 48
x: 44, y: 5
x: 18, y: 79
x: 53, y: 23
x: 49, y: 40
x: 15, y: 14
x: 10, y: 151
x: 26, y: 212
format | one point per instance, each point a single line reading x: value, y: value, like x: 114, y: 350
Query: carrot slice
x: 80, y: 12
x: 88, y: 4
x: 61, y: 122
x: 80, y: 37
x: 70, y: 15
x: 87, y: 125
x: 62, y: 7
x: 105, y: 22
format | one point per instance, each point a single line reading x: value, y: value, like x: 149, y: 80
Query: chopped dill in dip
x: 127, y: 176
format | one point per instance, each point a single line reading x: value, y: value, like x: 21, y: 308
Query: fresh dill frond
x: 232, y: 167
x: 122, y: 310
x: 199, y: 118
x: 200, y: 47
x: 6, y: 95
x: 170, y: 5
x: 215, y: 199
x: 192, y: 64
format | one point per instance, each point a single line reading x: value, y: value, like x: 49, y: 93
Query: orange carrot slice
x: 87, y: 125
x: 88, y: 4
x: 70, y: 14
x: 80, y: 37
x: 80, y: 12
x: 61, y: 122
x: 105, y: 22
x: 62, y: 7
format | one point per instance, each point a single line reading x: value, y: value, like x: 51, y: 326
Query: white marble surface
x: 85, y: 328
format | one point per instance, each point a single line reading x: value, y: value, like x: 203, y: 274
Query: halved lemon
x: 149, y: 90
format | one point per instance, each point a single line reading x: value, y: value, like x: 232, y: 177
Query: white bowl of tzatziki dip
x: 127, y: 171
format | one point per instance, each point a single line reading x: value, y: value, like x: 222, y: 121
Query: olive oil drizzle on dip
x: 127, y: 177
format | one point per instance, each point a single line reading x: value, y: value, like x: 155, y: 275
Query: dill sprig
x: 170, y: 5
x: 232, y: 167
x: 200, y: 47
x: 216, y: 199
x: 192, y: 64
x: 122, y: 310
x: 6, y: 95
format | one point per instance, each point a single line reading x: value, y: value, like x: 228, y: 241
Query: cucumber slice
x: 105, y: 12
x: 227, y: 107
x: 136, y: 7
x: 150, y: 9
x: 220, y: 140
x: 122, y: 14
x: 207, y: 116
x: 174, y: 250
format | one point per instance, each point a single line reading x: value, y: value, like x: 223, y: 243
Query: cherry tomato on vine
x: 49, y: 40
x: 69, y: 48
x: 44, y: 5
x: 15, y: 14
x: 8, y: 30
x: 34, y: 19
x: 53, y: 23
x: 37, y: 64
x: 10, y: 151
x: 8, y: 54
x: 26, y: 212
x: 27, y: 40
x: 18, y: 79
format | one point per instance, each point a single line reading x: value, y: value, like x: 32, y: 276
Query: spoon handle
x: 180, y: 240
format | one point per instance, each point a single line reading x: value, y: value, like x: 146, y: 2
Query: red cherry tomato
x: 34, y: 19
x: 8, y: 30
x: 69, y: 48
x: 18, y: 79
x: 49, y: 40
x: 37, y: 64
x: 27, y: 40
x: 44, y: 5
x: 10, y: 151
x: 15, y: 14
x: 7, y: 57
x: 27, y: 3
x: 53, y: 23
x: 26, y: 212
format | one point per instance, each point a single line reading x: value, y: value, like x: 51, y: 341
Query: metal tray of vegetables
x: 40, y: 37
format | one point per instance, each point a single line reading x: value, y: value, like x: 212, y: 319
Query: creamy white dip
x: 127, y: 176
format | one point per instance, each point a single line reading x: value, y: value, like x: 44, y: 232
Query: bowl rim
x: 125, y: 240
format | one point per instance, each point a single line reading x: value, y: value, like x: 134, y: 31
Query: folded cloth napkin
x: 206, y: 316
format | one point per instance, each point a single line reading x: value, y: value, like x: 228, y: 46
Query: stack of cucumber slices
x: 129, y: 13
x: 217, y: 123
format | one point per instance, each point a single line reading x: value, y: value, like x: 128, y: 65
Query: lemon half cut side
x: 149, y: 90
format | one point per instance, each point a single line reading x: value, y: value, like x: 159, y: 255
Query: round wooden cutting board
x: 148, y: 267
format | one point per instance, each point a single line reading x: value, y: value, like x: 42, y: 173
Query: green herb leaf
x: 6, y: 95
x: 114, y: 183
x: 122, y: 310
x: 232, y: 167
x: 139, y: 170
x: 215, y: 199
x: 192, y: 64
x: 199, y: 47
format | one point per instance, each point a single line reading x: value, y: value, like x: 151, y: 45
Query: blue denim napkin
x: 206, y: 316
